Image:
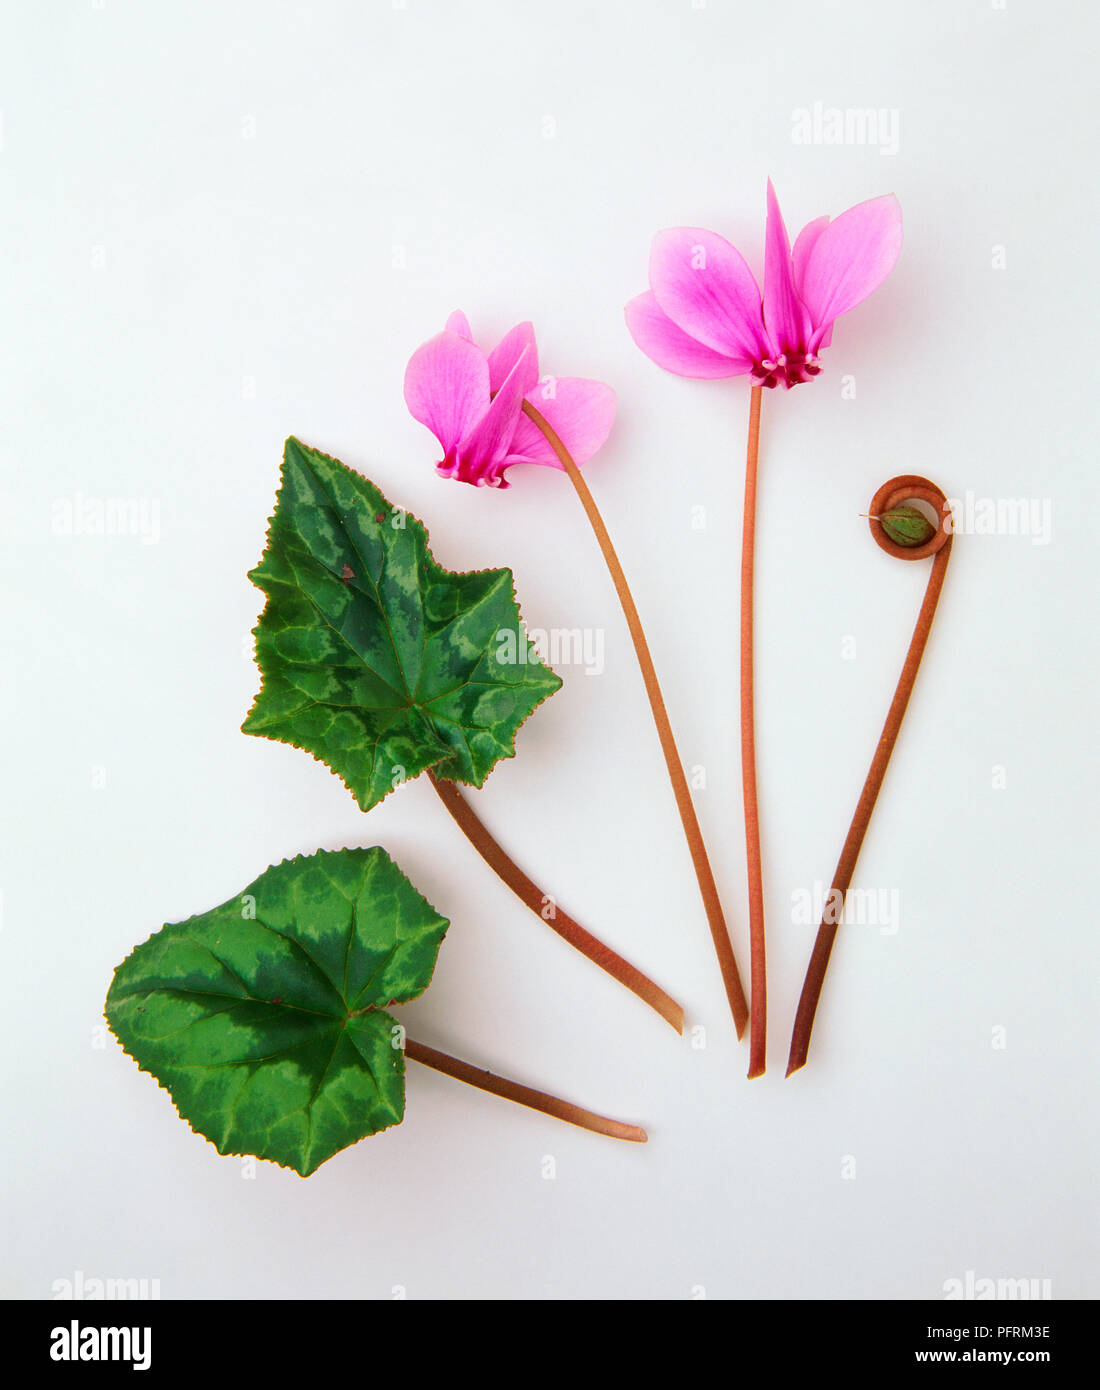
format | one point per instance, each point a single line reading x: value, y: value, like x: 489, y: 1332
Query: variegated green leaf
x: 374, y: 658
x: 265, y: 1018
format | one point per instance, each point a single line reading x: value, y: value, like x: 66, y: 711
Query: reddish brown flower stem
x: 891, y: 494
x: 707, y: 887
x: 547, y: 910
x: 758, y: 1028
x: 523, y: 1095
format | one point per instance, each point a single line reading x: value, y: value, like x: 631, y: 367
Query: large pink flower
x: 704, y: 315
x: 472, y: 401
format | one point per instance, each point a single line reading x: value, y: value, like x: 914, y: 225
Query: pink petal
x: 488, y: 441
x: 460, y: 324
x: 447, y: 386
x: 850, y: 258
x: 705, y: 287
x: 804, y: 243
x: 671, y: 348
x: 786, y: 318
x: 579, y: 412
x: 508, y: 352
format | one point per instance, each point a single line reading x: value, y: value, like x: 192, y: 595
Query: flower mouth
x: 786, y: 370
x: 487, y: 475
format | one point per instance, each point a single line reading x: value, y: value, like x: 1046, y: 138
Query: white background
x: 223, y: 224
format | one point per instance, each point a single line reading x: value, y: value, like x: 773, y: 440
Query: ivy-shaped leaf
x: 374, y: 658
x: 264, y: 1018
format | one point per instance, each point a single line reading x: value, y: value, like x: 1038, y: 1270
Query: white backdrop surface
x: 223, y: 224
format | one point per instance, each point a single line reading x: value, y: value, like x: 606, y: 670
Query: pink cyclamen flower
x: 704, y: 315
x: 472, y: 401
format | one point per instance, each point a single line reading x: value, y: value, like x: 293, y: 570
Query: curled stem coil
x: 904, y: 488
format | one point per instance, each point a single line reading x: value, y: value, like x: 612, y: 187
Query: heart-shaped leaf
x: 373, y: 658
x: 264, y: 1018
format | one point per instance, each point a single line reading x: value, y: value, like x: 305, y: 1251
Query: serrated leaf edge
x: 454, y: 574
x: 243, y: 1153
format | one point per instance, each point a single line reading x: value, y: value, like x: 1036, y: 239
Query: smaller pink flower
x: 472, y: 401
x: 704, y: 315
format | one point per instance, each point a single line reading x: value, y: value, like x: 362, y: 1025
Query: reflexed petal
x: 706, y: 288
x: 851, y: 257
x: 460, y: 324
x: 508, y: 352
x: 580, y: 413
x: 671, y: 348
x: 488, y: 441
x: 447, y: 386
x: 804, y: 243
x: 786, y: 318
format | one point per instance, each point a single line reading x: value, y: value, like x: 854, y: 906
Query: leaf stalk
x: 544, y: 907
x: 523, y: 1095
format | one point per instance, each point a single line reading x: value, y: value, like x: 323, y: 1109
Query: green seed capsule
x: 907, y: 526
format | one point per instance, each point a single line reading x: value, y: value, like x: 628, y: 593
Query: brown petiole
x: 523, y: 1095
x: 543, y: 906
